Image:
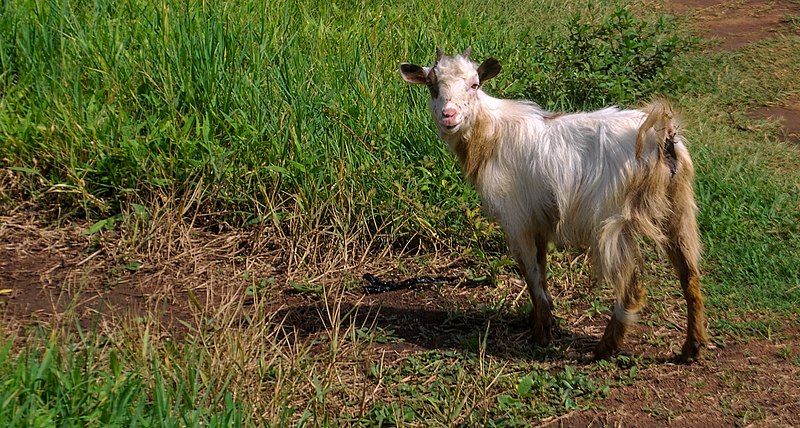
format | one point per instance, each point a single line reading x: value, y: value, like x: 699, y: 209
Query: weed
x: 304, y: 288
x: 596, y: 308
x: 660, y: 411
x: 793, y: 21
x: 563, y: 392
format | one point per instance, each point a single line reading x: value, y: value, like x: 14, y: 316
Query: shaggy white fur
x: 597, y: 180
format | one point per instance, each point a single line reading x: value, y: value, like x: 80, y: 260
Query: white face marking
x: 455, y: 92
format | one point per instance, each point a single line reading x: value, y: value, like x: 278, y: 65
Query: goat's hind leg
x: 625, y: 313
x: 695, y: 321
x: 683, y: 250
x: 618, y: 255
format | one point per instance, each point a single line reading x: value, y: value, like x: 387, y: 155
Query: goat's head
x: 454, y: 83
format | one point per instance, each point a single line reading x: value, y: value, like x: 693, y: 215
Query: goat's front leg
x: 531, y: 254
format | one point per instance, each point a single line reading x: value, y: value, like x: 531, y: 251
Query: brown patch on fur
x: 477, y: 146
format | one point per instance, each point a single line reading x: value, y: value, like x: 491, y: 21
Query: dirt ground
x: 44, y: 270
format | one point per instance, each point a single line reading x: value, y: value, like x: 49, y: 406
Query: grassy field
x: 273, y: 147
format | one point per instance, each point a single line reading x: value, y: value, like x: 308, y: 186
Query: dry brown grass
x: 324, y: 351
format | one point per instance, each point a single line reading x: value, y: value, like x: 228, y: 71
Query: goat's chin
x: 450, y: 129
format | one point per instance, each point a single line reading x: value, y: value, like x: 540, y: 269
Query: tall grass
x: 285, y: 112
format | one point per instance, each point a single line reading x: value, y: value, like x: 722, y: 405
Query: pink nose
x: 449, y: 112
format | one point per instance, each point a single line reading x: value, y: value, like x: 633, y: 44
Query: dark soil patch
x: 46, y: 272
x: 738, y: 23
x: 49, y: 271
x: 789, y: 117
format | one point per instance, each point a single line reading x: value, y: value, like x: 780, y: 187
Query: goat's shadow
x: 387, y: 322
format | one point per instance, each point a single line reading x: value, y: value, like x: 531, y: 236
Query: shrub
x: 620, y: 60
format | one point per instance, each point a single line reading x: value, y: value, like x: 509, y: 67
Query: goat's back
x: 566, y: 173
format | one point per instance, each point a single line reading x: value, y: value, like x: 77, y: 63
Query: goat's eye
x: 475, y: 86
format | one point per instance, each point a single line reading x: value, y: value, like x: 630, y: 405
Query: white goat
x: 600, y: 180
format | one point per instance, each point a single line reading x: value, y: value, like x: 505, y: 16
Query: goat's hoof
x: 692, y: 351
x: 604, y: 350
x: 602, y: 354
x: 542, y: 339
x: 543, y: 333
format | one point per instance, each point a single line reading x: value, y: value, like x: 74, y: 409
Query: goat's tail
x: 660, y: 118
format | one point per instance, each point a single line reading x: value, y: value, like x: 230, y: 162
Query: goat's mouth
x: 449, y: 125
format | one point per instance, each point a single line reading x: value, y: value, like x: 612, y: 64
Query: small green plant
x: 793, y: 21
x: 389, y: 414
x: 259, y: 287
x: 784, y: 352
x: 377, y: 335
x: 596, y: 308
x: 308, y: 289
x: 660, y: 411
x: 543, y: 392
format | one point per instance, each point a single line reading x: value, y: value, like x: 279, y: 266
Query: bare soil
x: 736, y: 24
x: 47, y: 269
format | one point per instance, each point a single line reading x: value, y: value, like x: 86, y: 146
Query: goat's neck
x: 476, y: 145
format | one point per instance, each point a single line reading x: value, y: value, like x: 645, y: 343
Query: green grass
x: 748, y: 182
x: 291, y: 116
x: 284, y: 112
x: 85, y: 384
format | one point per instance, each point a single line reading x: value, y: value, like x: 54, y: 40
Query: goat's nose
x: 449, y: 112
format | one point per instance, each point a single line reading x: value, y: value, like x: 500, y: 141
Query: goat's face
x: 454, y: 84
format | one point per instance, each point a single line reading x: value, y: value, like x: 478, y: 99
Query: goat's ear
x: 489, y: 69
x: 413, y: 73
x: 466, y: 53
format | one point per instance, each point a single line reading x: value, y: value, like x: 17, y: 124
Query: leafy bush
x: 619, y: 60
